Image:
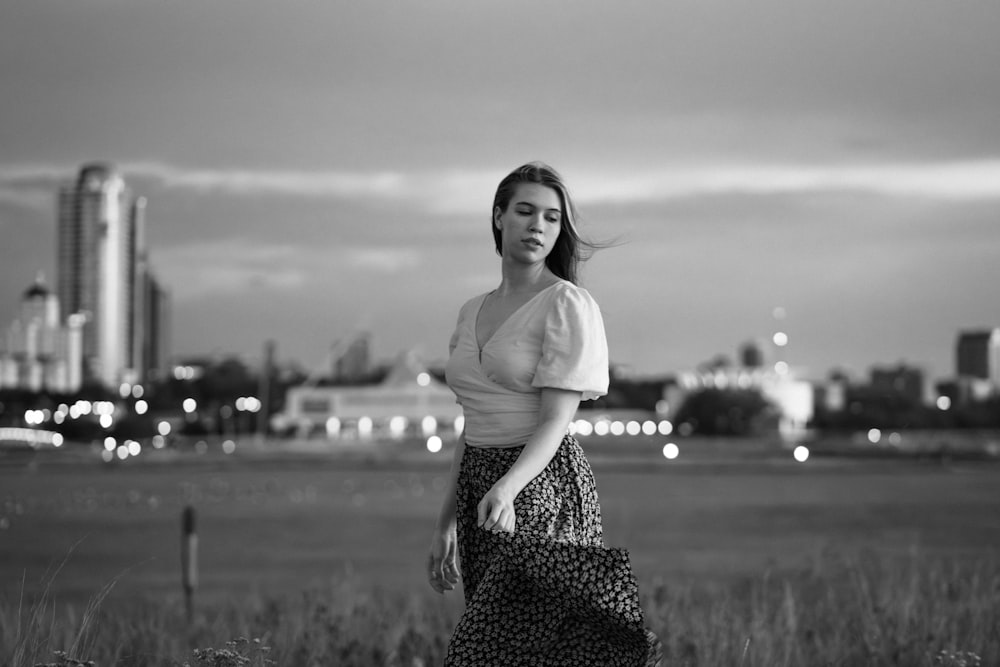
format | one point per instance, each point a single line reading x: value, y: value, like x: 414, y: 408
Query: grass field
x: 721, y: 540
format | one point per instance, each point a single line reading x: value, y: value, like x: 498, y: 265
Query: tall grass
x: 838, y: 610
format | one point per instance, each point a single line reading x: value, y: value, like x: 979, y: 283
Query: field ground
x: 270, y: 524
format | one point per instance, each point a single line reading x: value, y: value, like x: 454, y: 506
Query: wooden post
x: 189, y: 560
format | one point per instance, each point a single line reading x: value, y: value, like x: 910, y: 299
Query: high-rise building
x: 977, y: 355
x: 103, y: 274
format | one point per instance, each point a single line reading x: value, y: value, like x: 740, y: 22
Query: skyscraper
x: 103, y: 273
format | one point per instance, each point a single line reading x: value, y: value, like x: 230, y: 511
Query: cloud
x: 228, y: 267
x: 235, y: 266
x: 381, y: 260
x: 968, y: 180
x: 463, y: 191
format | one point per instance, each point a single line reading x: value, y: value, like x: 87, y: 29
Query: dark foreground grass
x: 862, y: 609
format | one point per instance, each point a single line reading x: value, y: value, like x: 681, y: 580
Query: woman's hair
x: 569, y: 249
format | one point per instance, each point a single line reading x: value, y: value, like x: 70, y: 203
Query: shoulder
x: 471, y: 306
x: 573, y: 298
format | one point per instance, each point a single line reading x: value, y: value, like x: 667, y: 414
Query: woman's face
x: 531, y: 224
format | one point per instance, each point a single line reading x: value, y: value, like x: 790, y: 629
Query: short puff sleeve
x: 574, y: 346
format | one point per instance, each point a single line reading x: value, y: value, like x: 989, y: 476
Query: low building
x: 409, y: 400
x: 38, y: 352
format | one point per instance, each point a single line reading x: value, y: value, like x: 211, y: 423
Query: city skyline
x: 315, y: 171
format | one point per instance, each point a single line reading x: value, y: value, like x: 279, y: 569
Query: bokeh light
x: 434, y: 444
x: 801, y: 453
x: 671, y: 451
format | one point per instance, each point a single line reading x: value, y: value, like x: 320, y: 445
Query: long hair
x: 569, y: 249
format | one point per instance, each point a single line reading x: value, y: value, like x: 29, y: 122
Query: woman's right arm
x: 441, y: 564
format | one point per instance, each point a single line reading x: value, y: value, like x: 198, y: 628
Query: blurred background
x: 236, y: 232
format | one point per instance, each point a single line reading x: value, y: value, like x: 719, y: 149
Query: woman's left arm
x: 558, y: 406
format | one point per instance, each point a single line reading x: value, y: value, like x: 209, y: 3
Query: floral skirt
x: 550, y: 594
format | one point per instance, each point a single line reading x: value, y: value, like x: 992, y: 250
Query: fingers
x: 442, y: 572
x: 496, y: 517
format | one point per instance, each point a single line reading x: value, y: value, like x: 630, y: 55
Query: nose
x: 536, y: 222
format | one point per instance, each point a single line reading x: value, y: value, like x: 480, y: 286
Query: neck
x: 522, y: 278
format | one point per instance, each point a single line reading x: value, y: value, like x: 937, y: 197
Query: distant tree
x: 727, y: 412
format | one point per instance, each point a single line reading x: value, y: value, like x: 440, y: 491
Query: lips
x: 532, y: 241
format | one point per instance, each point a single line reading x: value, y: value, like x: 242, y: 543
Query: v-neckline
x: 475, y: 322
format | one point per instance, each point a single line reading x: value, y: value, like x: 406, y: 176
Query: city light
x: 434, y: 444
x: 665, y: 427
x: 397, y: 426
x: 943, y: 403
x: 189, y: 405
x: 662, y: 407
x: 459, y: 424
x: 122, y: 452
x: 332, y: 427
x: 428, y: 425
x: 110, y: 444
x: 617, y: 428
x: 365, y: 427
x: 584, y: 427
x: 163, y: 428
x: 671, y: 451
x: 57, y: 440
x: 134, y: 448
x: 159, y: 442
x: 649, y: 427
x: 106, y: 421
x: 423, y: 379
x: 602, y: 427
x: 228, y: 446
x: 895, y: 439
x: 138, y: 391
x: 874, y: 435
x: 781, y: 368
x: 780, y: 338
x: 141, y: 407
x: 801, y: 453
x: 633, y: 428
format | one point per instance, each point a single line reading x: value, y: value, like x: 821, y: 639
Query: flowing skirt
x: 550, y: 594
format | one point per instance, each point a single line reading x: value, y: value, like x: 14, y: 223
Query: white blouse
x: 556, y: 339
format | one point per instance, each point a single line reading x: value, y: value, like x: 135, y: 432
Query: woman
x: 521, y: 511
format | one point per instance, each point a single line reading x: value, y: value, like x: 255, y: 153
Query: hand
x: 496, y: 510
x: 442, y: 572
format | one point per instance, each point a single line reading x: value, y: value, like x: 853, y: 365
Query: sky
x: 319, y: 169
